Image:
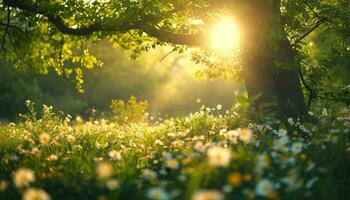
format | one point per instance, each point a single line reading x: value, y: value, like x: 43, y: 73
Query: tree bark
x: 278, y: 86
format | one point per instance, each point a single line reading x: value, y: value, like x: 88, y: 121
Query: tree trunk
x: 269, y: 65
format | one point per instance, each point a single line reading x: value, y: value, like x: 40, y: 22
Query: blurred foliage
x: 16, y: 87
x: 130, y: 111
x: 168, y: 85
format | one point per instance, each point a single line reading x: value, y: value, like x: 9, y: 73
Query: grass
x: 201, y: 156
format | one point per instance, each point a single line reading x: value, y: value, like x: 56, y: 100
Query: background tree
x: 57, y: 34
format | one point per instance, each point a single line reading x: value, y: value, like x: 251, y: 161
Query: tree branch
x: 318, y: 24
x: 6, y: 29
x: 312, y: 92
x: 162, y: 35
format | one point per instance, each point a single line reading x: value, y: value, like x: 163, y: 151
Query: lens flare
x: 224, y: 36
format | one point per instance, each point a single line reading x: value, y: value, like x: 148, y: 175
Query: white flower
x: 282, y: 132
x: 157, y: 194
x: 219, y: 107
x: 104, y: 170
x: 218, y: 156
x: 280, y: 144
x: 115, y: 155
x: 35, y: 194
x: 290, y: 121
x: 149, y: 174
x: 297, y: 147
x: 208, y: 195
x: 324, y: 112
x: 23, y: 176
x: 245, y: 135
x: 263, y: 162
x: 264, y: 188
x: 232, y: 135
x: 112, y: 184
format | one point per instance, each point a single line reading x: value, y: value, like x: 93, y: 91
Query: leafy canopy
x: 41, y: 34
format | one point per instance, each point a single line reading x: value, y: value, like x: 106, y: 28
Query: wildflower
x: 219, y: 107
x: 297, y: 147
x: 245, y: 135
x: 227, y: 188
x: 104, y: 170
x: 219, y: 156
x: 34, y: 151
x: 290, y: 121
x: 280, y: 144
x: 172, y: 163
x: 52, y: 157
x: 199, y: 146
x: 292, y: 180
x: 208, y: 195
x: 44, y: 138
x: 23, y: 176
x: 232, y: 135
x: 115, y: 155
x: 157, y: 194
x: 264, y: 161
x: 3, y: 185
x: 71, y: 138
x: 264, y: 188
x: 282, y: 132
x: 35, y: 194
x: 112, y: 184
x: 324, y: 112
x: 235, y: 179
x: 149, y: 174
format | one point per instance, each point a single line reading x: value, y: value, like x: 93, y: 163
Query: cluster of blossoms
x: 199, y: 157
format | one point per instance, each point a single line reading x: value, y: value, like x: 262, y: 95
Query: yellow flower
x: 44, y: 138
x: 247, y: 177
x: 23, y: 176
x: 235, y: 179
x: 104, y: 170
x: 3, y: 185
x: 35, y: 194
x: 208, y: 195
x: 172, y: 164
x: 218, y: 156
x: 52, y: 157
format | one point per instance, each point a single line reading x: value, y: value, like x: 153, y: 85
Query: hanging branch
x: 7, y: 28
x: 166, y: 55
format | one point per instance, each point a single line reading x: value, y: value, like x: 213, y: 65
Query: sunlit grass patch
x: 200, y: 156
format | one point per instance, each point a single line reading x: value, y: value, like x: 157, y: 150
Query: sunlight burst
x: 224, y: 36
